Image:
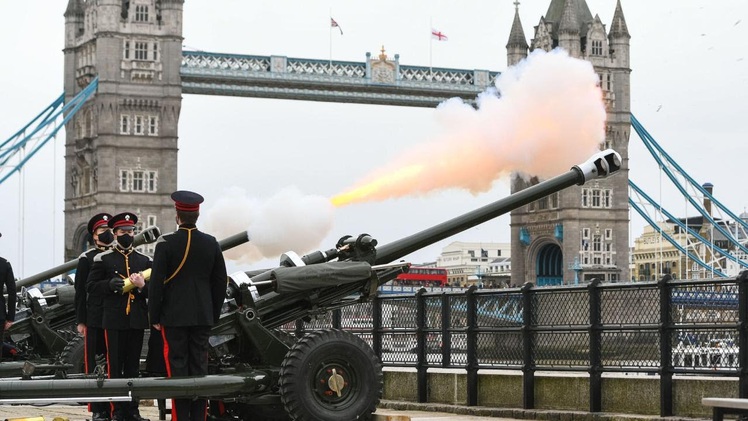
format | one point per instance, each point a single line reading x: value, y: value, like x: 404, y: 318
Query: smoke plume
x: 288, y: 221
x: 549, y: 117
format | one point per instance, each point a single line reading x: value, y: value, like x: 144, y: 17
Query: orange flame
x: 378, y: 188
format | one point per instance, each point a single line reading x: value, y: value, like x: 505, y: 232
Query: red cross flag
x: 334, y: 24
x: 438, y: 35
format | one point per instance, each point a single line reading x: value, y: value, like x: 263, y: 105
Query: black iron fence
x: 666, y: 328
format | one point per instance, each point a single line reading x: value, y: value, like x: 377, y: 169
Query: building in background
x: 121, y: 147
x: 580, y: 233
x: 486, y: 265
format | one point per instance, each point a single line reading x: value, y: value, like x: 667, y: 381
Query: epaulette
x: 101, y: 255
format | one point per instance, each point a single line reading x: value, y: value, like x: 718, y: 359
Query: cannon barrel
x: 147, y: 236
x: 91, y: 389
x: 598, y: 166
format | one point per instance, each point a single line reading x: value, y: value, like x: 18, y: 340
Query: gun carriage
x: 259, y: 371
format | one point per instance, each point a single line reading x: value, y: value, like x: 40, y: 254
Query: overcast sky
x: 689, y: 89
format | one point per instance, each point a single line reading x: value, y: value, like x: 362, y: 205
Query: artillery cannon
x: 258, y: 371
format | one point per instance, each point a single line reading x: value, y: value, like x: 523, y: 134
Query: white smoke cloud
x: 287, y: 221
x: 550, y: 116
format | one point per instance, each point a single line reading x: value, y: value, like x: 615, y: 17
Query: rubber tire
x: 306, y: 366
x: 75, y: 353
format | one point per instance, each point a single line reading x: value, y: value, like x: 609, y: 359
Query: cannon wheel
x: 74, y: 353
x: 330, y: 374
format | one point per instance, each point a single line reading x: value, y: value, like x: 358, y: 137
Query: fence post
x: 472, y: 348
x: 528, y: 350
x: 376, y: 330
x: 743, y: 333
x: 666, y: 350
x: 446, y: 333
x: 595, y: 332
x: 422, y: 363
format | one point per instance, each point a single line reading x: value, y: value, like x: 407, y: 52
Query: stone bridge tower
x: 121, y: 147
x: 582, y: 232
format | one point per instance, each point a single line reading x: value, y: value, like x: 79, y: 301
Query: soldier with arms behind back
x: 186, y: 292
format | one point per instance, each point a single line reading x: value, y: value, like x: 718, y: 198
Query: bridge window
x: 139, y: 124
x: 585, y: 233
x: 597, y: 198
x: 141, y: 13
x: 597, y: 47
x: 155, y: 51
x: 608, y: 234
x: 124, y: 124
x: 141, y: 50
x: 126, y: 50
x: 554, y: 200
x: 152, y: 126
x: 139, y: 181
x: 596, y: 243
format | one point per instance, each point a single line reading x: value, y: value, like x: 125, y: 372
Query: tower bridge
x: 378, y: 80
x: 121, y: 145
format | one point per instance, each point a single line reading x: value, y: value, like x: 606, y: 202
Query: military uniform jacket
x: 8, y: 280
x: 120, y: 311
x: 88, y: 307
x: 195, y: 294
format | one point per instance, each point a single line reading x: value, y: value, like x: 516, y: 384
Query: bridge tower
x: 586, y: 224
x: 121, y: 148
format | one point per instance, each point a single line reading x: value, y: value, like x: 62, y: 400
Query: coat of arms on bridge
x: 382, y: 70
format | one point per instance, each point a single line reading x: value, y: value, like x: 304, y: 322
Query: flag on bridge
x: 438, y: 35
x: 334, y: 24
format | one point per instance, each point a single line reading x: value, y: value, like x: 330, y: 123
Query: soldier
x: 88, y: 307
x: 125, y: 315
x: 6, y: 316
x: 186, y: 291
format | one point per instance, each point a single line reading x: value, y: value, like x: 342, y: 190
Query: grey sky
x: 689, y: 86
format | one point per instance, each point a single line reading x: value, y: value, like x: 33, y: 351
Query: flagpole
x: 431, y: 47
x: 330, y: 24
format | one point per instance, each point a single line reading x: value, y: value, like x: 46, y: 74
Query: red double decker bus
x: 422, y: 276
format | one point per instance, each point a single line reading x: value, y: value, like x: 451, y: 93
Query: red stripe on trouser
x: 168, y: 370
x: 108, y: 367
x: 85, y: 357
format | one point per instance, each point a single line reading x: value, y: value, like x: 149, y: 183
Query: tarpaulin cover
x: 321, y: 275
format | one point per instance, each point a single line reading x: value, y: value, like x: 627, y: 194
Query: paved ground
x: 79, y: 413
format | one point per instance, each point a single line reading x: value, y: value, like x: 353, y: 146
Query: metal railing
x: 666, y: 328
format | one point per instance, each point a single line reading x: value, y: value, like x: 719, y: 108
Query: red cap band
x: 187, y: 207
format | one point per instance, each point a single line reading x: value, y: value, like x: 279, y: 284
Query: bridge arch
x: 549, y: 267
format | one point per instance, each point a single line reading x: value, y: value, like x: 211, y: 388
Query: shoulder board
x: 101, y: 255
x: 85, y: 253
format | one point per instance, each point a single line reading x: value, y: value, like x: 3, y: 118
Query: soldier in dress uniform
x: 186, y: 291
x: 125, y: 315
x: 6, y: 316
x: 88, y: 307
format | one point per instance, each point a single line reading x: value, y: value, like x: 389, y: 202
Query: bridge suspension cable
x: 34, y: 135
x: 693, y: 239
x: 671, y: 168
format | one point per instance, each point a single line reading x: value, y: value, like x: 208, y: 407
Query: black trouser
x: 95, y: 345
x: 186, y: 354
x: 123, y: 361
